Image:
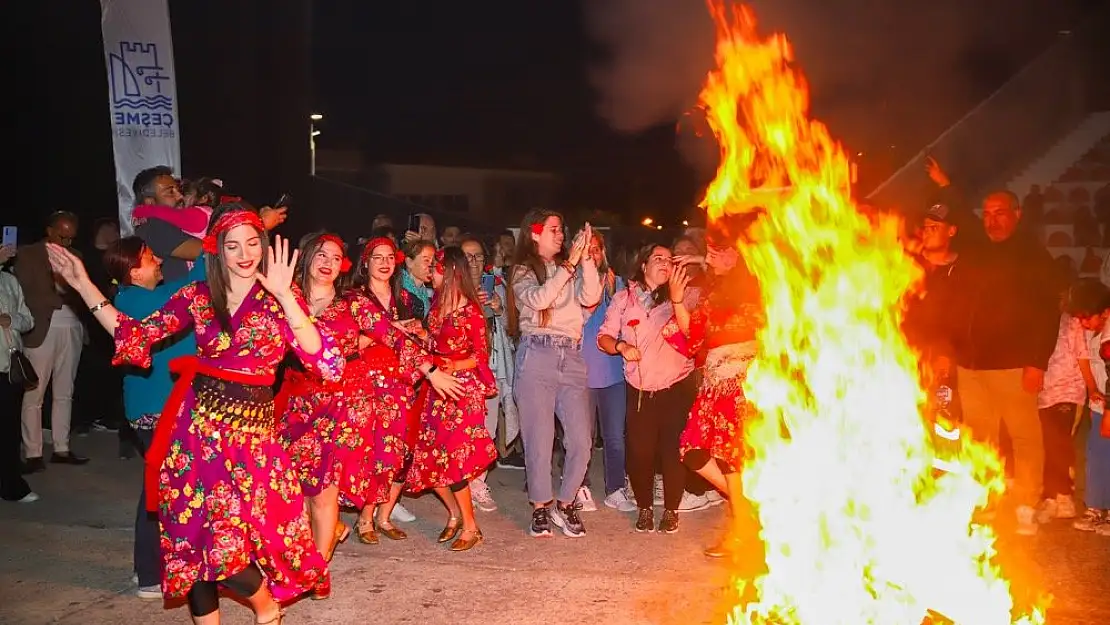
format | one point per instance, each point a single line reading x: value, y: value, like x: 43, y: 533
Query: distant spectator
x: 381, y: 221
x: 1033, y: 205
x: 450, y: 237
x: 427, y: 230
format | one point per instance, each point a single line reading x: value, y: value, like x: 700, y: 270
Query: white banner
x: 141, y: 92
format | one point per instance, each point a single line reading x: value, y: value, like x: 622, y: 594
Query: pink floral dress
x: 454, y: 445
x: 228, y: 493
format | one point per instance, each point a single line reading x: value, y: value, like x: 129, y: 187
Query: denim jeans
x: 551, y: 381
x: 609, y: 404
x: 148, y: 555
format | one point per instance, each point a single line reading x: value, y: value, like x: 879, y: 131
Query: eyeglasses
x: 475, y: 258
x: 378, y: 258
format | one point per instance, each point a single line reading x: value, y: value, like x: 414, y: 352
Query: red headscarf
x: 379, y: 241
x: 226, y: 222
x: 345, y: 263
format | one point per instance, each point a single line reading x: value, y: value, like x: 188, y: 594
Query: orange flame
x: 857, y: 527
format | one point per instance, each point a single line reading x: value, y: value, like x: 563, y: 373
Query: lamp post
x: 312, y: 132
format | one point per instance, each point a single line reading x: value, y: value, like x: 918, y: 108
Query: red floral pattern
x: 720, y: 408
x: 454, y: 445
x: 229, y: 494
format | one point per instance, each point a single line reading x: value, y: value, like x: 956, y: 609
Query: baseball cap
x: 939, y: 212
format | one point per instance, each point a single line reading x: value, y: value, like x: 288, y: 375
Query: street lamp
x: 312, y: 133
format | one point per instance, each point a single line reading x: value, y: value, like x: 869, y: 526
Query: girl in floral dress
x: 380, y: 391
x: 229, y: 502
x: 725, y: 323
x: 325, y: 423
x: 454, y: 445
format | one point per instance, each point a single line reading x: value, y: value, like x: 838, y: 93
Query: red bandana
x: 378, y: 241
x: 345, y: 263
x: 226, y: 222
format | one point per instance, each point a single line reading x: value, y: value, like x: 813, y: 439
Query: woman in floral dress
x: 454, y: 445
x: 724, y: 323
x: 325, y: 423
x: 229, y: 502
x: 380, y: 393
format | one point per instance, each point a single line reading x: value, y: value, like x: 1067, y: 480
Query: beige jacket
x: 13, y: 305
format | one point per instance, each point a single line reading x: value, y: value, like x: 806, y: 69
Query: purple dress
x: 228, y: 493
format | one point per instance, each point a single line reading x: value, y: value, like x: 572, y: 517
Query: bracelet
x: 431, y: 370
x: 676, y: 303
x: 93, y: 309
x: 569, y: 267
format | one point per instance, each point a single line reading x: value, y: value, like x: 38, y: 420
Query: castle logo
x: 141, y: 91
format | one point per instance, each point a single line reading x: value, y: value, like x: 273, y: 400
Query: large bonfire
x: 858, y: 527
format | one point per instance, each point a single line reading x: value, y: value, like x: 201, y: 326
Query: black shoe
x: 513, y: 461
x: 566, y: 517
x: 645, y: 521
x: 33, y: 465
x: 669, y: 523
x: 541, y: 522
x: 67, y: 458
x: 100, y: 425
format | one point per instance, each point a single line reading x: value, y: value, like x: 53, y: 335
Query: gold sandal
x: 342, y: 532
x: 466, y: 544
x: 450, y: 531
x: 391, y: 532
x: 367, y: 535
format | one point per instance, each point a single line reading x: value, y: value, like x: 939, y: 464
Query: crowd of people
x: 269, y: 386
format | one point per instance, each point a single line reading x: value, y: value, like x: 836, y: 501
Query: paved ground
x: 67, y: 559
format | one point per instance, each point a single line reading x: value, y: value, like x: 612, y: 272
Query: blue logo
x: 140, y: 84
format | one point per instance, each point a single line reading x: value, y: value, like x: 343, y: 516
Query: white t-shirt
x: 1063, y: 381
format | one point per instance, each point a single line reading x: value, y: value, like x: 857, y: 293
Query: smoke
x: 919, y: 61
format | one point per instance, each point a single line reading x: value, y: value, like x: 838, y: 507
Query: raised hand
x: 578, y: 246
x: 273, y: 217
x: 278, y: 279
x: 678, y: 282
x: 66, y: 265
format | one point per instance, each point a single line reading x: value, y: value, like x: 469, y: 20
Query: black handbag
x: 20, y: 371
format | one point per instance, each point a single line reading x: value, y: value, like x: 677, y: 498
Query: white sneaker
x: 1026, y: 521
x: 480, y: 495
x: 1046, y: 511
x: 149, y: 592
x: 658, y: 490
x: 401, y: 514
x: 692, y: 503
x: 1065, y: 507
x: 585, y: 499
x: 1090, y: 521
x: 30, y: 497
x: 715, y: 498
x: 619, y: 501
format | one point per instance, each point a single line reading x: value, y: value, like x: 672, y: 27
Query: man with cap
x: 926, y: 315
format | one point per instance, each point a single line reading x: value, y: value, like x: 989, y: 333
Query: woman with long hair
x: 229, y: 502
x: 551, y: 290
x: 605, y: 379
x: 660, y: 387
x: 491, y: 293
x: 324, y: 425
x: 384, y: 402
x: 725, y: 323
x: 454, y: 446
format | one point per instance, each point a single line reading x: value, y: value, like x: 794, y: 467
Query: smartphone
x: 283, y: 201
x: 11, y: 234
x: 488, y: 283
x: 414, y: 223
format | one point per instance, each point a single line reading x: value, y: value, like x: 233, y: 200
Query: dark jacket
x: 36, y: 278
x: 1005, y: 306
x: 929, y: 310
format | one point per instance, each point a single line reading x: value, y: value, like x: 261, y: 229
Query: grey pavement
x: 67, y: 559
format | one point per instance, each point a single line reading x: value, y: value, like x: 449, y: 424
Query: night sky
x: 507, y: 84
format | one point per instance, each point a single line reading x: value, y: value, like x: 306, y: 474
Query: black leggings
x: 697, y: 459
x: 204, y: 597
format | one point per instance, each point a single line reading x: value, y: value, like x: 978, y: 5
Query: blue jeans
x: 551, y: 381
x: 148, y: 554
x: 609, y: 404
x: 1098, y: 466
